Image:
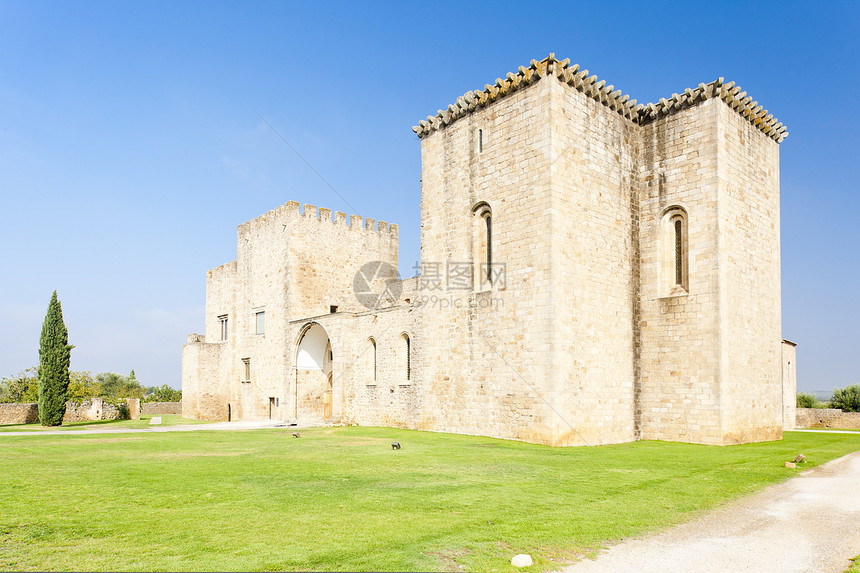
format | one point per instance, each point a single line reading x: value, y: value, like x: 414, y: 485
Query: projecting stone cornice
x: 607, y: 95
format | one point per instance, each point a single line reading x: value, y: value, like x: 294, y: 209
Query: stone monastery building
x: 593, y: 271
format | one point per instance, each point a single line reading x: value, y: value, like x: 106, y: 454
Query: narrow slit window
x: 675, y: 252
x: 482, y: 247
x: 679, y: 252
x: 406, y: 357
x: 480, y: 141
x: 223, y: 323
x: 371, y: 361
x: 246, y: 370
x: 489, y: 249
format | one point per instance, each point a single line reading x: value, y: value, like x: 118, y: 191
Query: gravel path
x: 808, y: 523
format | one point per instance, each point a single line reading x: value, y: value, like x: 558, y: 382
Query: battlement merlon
x: 227, y: 269
x: 290, y: 213
x: 638, y: 113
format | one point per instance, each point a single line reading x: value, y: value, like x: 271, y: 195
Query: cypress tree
x: 55, y: 355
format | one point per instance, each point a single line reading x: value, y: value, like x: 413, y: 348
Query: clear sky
x: 131, y: 145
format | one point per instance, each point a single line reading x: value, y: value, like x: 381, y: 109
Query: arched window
x: 405, y: 357
x: 675, y: 251
x: 482, y: 245
x: 679, y: 252
x: 370, y: 360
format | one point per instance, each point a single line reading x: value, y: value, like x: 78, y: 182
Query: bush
x: 805, y: 400
x: 20, y: 388
x: 116, y: 387
x: 122, y: 408
x: 847, y: 399
x: 82, y: 386
x: 162, y: 394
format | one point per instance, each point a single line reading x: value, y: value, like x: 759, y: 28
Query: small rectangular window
x: 332, y: 309
x: 260, y: 321
x: 223, y: 321
x: 246, y: 370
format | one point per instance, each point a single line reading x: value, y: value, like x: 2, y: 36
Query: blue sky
x: 131, y: 146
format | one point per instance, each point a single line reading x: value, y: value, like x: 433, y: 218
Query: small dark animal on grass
x: 395, y: 445
x: 296, y: 435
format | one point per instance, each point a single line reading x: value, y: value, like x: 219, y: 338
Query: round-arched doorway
x: 314, y: 379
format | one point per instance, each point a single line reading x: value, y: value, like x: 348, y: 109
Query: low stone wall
x: 19, y: 413
x: 827, y: 418
x: 93, y: 409
x: 159, y: 408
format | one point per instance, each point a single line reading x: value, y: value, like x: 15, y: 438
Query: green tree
x: 847, y: 399
x: 805, y: 400
x: 82, y: 387
x: 116, y: 387
x: 55, y: 355
x: 20, y: 388
x: 162, y: 393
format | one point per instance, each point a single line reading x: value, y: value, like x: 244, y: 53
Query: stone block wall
x: 89, y: 410
x: 291, y: 263
x: 679, y: 325
x: 158, y: 408
x: 593, y: 230
x: 749, y: 267
x: 19, y: 413
x: 133, y: 407
x: 789, y: 385
x: 485, y: 368
x: 92, y: 410
x: 207, y: 380
x: 827, y: 418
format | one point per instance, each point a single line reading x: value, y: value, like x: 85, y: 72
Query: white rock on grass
x: 155, y: 420
x: 522, y: 560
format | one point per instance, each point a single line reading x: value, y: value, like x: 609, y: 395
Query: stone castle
x: 592, y: 271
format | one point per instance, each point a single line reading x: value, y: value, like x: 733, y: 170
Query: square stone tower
x: 641, y: 248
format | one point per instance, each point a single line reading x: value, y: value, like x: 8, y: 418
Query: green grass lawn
x: 166, y: 420
x: 342, y: 499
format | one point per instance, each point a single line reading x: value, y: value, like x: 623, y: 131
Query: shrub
x: 82, y: 386
x: 847, y: 399
x: 805, y: 400
x: 116, y: 387
x: 162, y: 394
x: 20, y: 388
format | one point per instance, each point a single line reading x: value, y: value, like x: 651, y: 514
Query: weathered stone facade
x: 159, y: 408
x: 93, y: 409
x: 26, y: 413
x: 827, y: 418
x: 623, y: 279
x: 789, y: 385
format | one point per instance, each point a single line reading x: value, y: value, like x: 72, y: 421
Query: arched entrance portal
x: 313, y: 384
